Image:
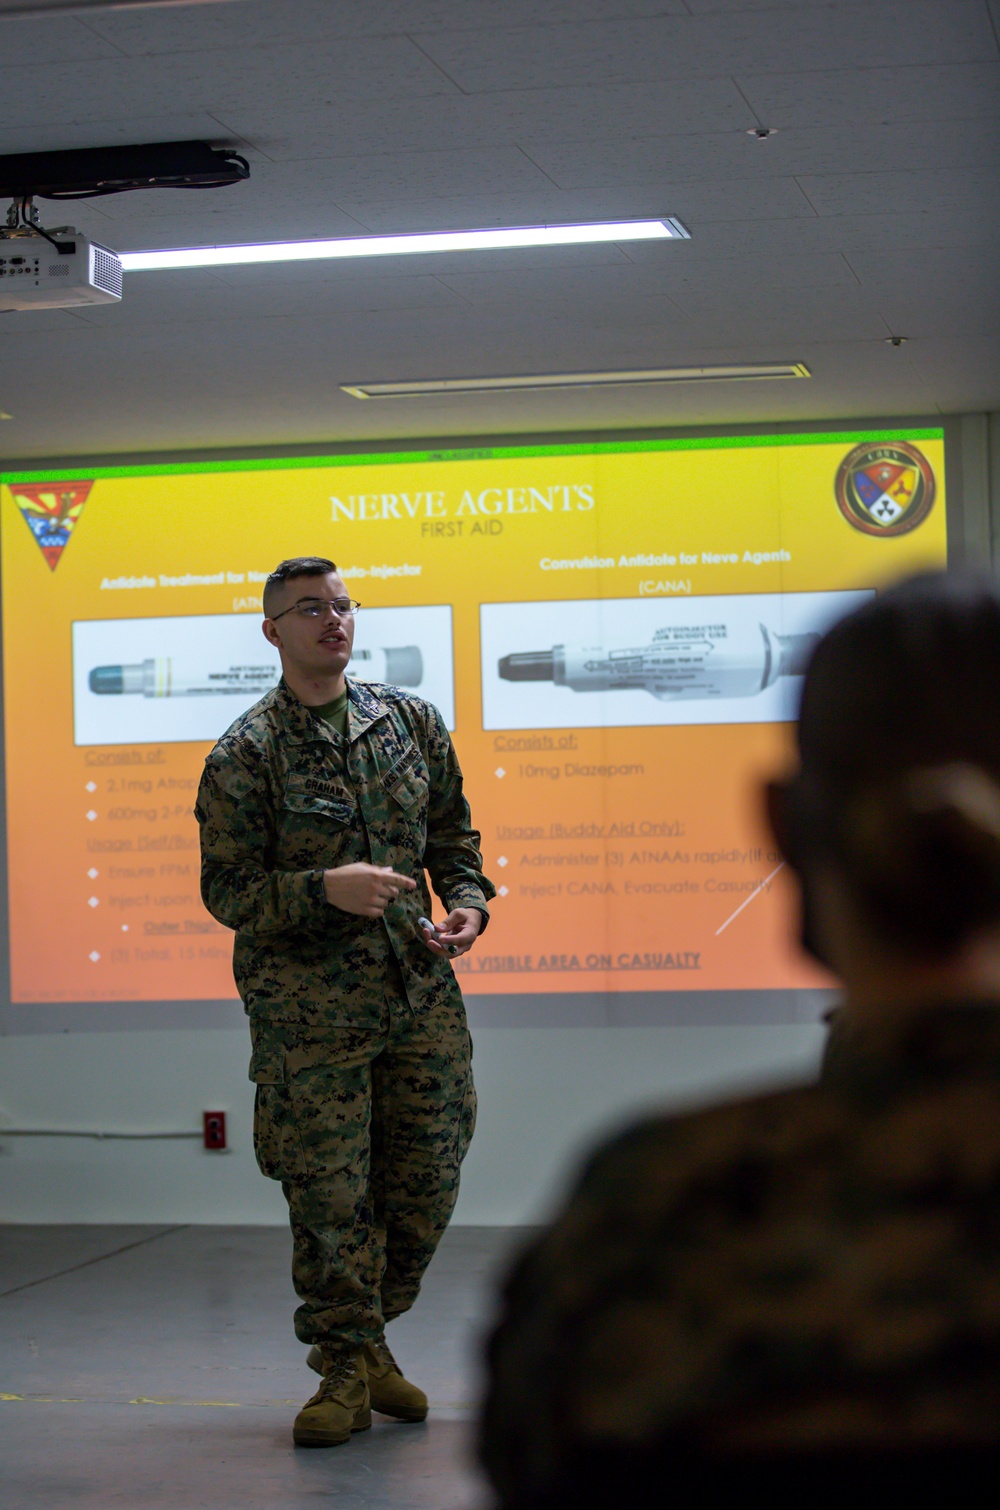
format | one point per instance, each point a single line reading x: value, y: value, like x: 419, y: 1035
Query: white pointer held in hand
x: 435, y: 933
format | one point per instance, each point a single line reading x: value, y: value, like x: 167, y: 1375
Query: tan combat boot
x: 341, y: 1404
x: 391, y: 1394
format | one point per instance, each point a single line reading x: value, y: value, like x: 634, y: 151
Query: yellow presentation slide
x: 615, y: 632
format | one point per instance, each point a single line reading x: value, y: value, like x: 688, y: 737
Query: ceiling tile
x: 148, y: 304
x: 872, y: 96
x: 790, y: 7
x: 255, y: 376
x: 147, y: 221
x: 936, y: 193
x: 729, y: 155
x: 782, y: 270
x: 668, y: 47
x: 895, y: 228
x: 262, y: 23
x: 927, y: 267
x: 963, y: 367
x: 578, y: 289
x: 382, y: 123
x: 696, y: 205
x: 794, y: 314
x: 918, y: 317
x: 638, y: 104
x: 670, y: 277
x: 216, y: 81
x: 31, y: 41
x: 324, y: 187
x: 18, y: 322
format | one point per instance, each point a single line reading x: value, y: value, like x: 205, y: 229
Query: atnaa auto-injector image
x: 682, y: 661
x: 399, y: 666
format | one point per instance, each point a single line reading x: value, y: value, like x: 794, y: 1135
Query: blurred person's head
x: 892, y: 821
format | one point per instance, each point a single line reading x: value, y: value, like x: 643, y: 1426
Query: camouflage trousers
x: 366, y: 1130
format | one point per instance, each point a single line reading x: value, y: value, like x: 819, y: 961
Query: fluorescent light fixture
x: 747, y: 372
x: 667, y: 229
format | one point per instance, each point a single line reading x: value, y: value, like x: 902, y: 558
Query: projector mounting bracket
x: 85, y: 173
x: 23, y: 220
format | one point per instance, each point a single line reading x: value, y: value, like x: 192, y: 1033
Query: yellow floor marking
x: 176, y: 1400
x: 182, y: 1401
x: 47, y: 1399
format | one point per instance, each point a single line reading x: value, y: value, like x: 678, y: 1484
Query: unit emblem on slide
x: 50, y: 510
x: 885, y: 490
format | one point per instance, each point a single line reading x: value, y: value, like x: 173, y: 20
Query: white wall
x: 545, y: 1093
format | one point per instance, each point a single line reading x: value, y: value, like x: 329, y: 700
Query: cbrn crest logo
x: 885, y: 489
x: 50, y: 511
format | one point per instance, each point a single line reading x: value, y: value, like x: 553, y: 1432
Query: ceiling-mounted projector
x: 64, y: 273
x: 62, y: 268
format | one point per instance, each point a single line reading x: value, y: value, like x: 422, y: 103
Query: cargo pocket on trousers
x: 467, y: 1121
x: 276, y: 1141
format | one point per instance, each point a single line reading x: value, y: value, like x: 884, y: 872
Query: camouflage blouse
x: 283, y: 797
x: 808, y: 1269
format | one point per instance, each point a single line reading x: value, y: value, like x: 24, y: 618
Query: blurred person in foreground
x: 804, y: 1286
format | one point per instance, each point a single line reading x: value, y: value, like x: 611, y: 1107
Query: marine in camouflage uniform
x: 365, y: 1102
x: 807, y: 1270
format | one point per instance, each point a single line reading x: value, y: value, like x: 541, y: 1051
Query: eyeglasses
x: 315, y: 608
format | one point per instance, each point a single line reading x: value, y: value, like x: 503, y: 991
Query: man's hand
x: 460, y: 929
x: 364, y: 889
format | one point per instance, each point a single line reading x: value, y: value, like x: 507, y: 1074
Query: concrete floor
x: 155, y: 1368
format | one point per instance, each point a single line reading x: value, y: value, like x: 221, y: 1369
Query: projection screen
x: 615, y: 632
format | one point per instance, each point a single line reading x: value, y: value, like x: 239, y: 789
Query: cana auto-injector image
x: 398, y: 666
x: 682, y: 661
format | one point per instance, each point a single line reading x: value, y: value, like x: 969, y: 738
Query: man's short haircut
x: 288, y: 571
